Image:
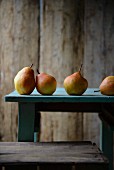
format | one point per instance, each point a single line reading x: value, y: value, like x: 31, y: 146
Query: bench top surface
x: 60, y: 95
x: 50, y: 152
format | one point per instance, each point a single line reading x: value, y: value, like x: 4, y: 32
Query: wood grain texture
x: 66, y: 153
x: 71, y: 32
x: 19, y: 48
x: 98, y: 53
x: 61, y: 53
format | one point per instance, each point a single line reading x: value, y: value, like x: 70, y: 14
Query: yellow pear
x: 107, y: 86
x: 24, y: 81
x: 45, y: 83
x: 75, y: 84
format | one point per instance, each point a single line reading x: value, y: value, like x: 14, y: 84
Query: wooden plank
x: 18, y: 48
x: 93, y: 61
x: 98, y: 53
x: 71, y: 153
x: 62, y: 27
x: 5, y: 69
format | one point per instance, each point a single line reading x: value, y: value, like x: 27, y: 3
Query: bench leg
x: 106, y: 143
x: 26, y: 125
x: 26, y: 122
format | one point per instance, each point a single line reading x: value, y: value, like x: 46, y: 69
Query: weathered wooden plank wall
x: 18, y: 48
x: 71, y: 32
x: 61, y: 54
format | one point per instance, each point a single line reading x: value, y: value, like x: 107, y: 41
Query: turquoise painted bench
x: 29, y: 105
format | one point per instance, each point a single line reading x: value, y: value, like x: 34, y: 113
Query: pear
x: 107, y: 86
x: 24, y: 81
x: 45, y: 83
x: 75, y: 84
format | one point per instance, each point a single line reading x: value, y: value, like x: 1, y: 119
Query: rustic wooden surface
x: 72, y: 32
x: 18, y: 48
x: 65, y: 153
x: 61, y: 54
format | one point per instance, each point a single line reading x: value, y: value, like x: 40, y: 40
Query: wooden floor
x: 80, y: 154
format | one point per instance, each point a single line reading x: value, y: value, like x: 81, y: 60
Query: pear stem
x: 96, y: 90
x: 80, y: 68
x: 38, y: 71
x: 31, y: 65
